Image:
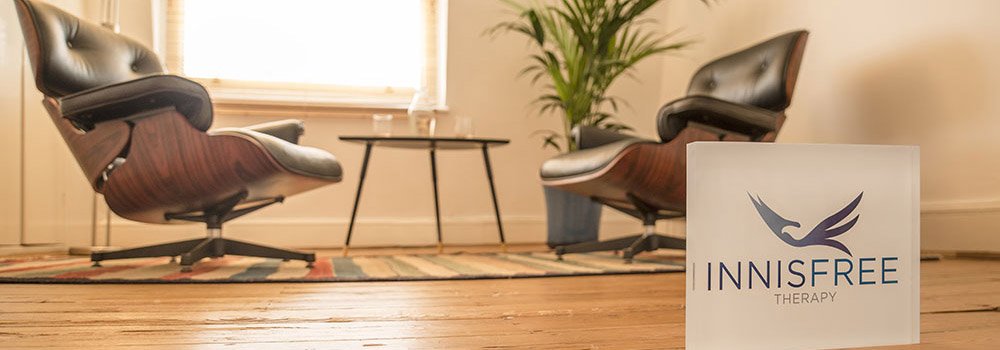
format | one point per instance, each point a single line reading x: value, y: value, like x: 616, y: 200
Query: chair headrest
x: 69, y: 55
x: 762, y: 75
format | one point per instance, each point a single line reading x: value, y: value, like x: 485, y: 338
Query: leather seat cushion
x: 131, y: 97
x: 302, y: 160
x: 585, y: 161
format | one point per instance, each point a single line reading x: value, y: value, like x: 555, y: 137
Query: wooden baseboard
x: 373, y: 232
x: 973, y: 229
x: 34, y: 249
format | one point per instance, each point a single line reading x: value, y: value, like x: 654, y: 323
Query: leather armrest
x: 288, y: 129
x: 739, y: 118
x: 592, y: 136
x: 128, y: 98
x: 308, y: 161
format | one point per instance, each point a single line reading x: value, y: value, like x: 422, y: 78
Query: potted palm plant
x: 581, y: 48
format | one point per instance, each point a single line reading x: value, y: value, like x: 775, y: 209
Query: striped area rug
x: 328, y: 269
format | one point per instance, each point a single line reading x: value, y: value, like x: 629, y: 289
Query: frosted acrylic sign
x: 793, y: 246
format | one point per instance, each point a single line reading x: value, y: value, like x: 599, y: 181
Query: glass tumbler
x: 382, y: 125
x: 464, y: 128
x: 421, y: 113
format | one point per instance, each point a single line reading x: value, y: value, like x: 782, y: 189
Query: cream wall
x: 397, y: 203
x: 42, y: 206
x: 884, y: 72
x: 10, y: 123
x: 897, y: 72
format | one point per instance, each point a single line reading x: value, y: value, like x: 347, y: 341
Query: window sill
x: 284, y: 107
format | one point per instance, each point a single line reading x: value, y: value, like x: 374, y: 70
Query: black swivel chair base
x: 629, y: 246
x: 213, y: 246
x: 192, y: 251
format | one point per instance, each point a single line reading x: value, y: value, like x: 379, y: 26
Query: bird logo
x: 822, y: 234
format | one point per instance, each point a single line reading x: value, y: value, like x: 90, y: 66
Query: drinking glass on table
x: 382, y: 124
x: 421, y: 113
x: 464, y: 128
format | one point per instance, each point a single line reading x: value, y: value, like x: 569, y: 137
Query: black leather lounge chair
x: 739, y: 97
x: 142, y: 139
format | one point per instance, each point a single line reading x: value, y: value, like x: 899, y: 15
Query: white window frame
x: 293, y: 99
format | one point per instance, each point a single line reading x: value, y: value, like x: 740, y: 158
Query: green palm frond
x: 583, y: 47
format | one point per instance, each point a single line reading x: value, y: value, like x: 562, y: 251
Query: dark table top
x: 426, y: 142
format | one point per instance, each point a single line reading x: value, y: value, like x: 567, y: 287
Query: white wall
x: 884, y: 72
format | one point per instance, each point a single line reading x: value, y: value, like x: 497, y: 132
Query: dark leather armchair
x: 142, y: 139
x: 740, y: 97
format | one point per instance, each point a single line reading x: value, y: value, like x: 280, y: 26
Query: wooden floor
x: 960, y: 300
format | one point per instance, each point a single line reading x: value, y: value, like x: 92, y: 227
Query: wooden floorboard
x: 960, y: 300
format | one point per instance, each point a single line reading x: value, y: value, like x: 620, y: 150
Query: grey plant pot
x: 572, y: 218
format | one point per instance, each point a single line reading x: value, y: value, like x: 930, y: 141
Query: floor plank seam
x: 984, y: 309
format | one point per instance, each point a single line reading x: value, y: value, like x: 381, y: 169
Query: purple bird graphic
x: 822, y: 234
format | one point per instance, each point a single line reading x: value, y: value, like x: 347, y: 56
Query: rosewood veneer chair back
x: 142, y: 138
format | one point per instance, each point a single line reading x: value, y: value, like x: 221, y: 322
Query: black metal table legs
x: 437, y: 203
x: 437, y: 207
x: 357, y: 196
x: 493, y: 193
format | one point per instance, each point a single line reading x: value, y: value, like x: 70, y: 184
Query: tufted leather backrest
x: 762, y: 75
x: 69, y: 55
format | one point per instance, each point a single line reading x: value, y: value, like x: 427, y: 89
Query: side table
x: 432, y: 144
